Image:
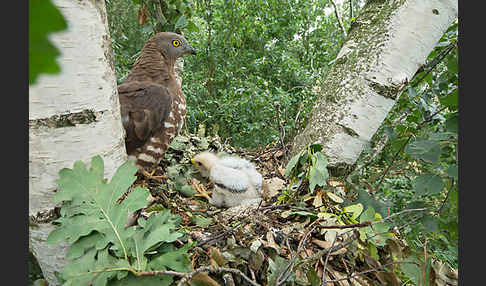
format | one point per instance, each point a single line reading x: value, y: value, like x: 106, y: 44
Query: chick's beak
x: 194, y: 162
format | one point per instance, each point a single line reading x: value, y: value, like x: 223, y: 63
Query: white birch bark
x: 386, y: 45
x: 87, y: 82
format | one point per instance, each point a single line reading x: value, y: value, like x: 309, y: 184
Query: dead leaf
x: 281, y: 170
x: 151, y: 199
x: 286, y: 213
x: 275, y: 185
x: 444, y: 274
x: 334, y: 197
x: 321, y: 243
x: 204, y: 279
x: 216, y: 258
x: 271, y: 242
x: 256, y: 260
x: 317, y: 200
x: 326, y: 244
x: 335, y: 183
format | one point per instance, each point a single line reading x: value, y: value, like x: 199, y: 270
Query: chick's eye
x: 176, y: 43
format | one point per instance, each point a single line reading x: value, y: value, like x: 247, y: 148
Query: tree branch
x: 188, y: 276
x: 419, y: 126
x: 350, y: 10
x: 338, y: 16
x: 372, y: 270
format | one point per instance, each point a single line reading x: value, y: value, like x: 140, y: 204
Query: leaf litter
x: 283, y: 241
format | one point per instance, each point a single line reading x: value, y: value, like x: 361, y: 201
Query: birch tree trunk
x: 74, y: 115
x: 385, y: 46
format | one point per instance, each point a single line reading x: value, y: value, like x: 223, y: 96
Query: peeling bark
x: 386, y: 45
x: 73, y: 115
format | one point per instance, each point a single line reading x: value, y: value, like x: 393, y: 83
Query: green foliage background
x: 251, y: 55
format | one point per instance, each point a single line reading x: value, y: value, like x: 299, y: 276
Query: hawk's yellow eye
x: 176, y: 43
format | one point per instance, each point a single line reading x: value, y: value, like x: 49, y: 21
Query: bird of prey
x: 236, y: 181
x: 152, y: 104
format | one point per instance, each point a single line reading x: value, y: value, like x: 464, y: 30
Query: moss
x: 347, y: 77
x: 66, y: 120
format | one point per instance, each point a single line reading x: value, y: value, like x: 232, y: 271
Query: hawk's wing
x: 233, y: 180
x: 144, y: 107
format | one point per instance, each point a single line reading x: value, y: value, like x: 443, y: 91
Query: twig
x: 298, y: 114
x: 356, y: 225
x: 424, y: 267
x: 355, y: 236
x: 188, y: 276
x: 370, y: 223
x: 372, y: 270
x: 324, y: 280
x: 292, y: 260
x: 338, y: 16
x: 332, y: 249
x: 350, y: 10
x: 436, y: 61
x: 281, y: 132
x: 419, y: 126
x: 223, y: 234
x: 446, y: 198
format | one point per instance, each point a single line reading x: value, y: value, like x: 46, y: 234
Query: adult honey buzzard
x: 152, y: 104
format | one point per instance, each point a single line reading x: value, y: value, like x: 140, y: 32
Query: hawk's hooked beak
x: 191, y: 50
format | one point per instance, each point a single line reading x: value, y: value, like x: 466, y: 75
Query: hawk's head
x: 173, y: 45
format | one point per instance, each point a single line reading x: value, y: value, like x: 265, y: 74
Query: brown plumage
x: 152, y: 104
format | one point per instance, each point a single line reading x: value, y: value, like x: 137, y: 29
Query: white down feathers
x: 236, y: 181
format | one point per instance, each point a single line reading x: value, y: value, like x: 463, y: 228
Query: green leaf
x: 452, y: 171
x: 187, y: 191
x: 292, y: 164
x: 81, y: 271
x: 174, y: 259
x: 44, y: 19
x: 94, y: 223
x: 157, y: 280
x: 355, y: 210
x: 87, y: 189
x: 315, y: 148
x: 367, y: 215
x: 427, y: 150
x: 452, y: 65
x: 79, y: 247
x: 373, y: 251
x: 275, y: 268
x: 451, y: 123
x: 366, y: 200
x: 430, y: 223
x: 411, y: 270
x: 181, y: 22
x: 201, y: 221
x: 451, y: 100
x: 318, y: 173
x: 428, y: 184
x: 191, y: 27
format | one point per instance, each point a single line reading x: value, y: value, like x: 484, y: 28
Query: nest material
x: 269, y: 243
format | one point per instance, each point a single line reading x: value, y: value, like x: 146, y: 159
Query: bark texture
x: 74, y: 115
x: 385, y: 46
